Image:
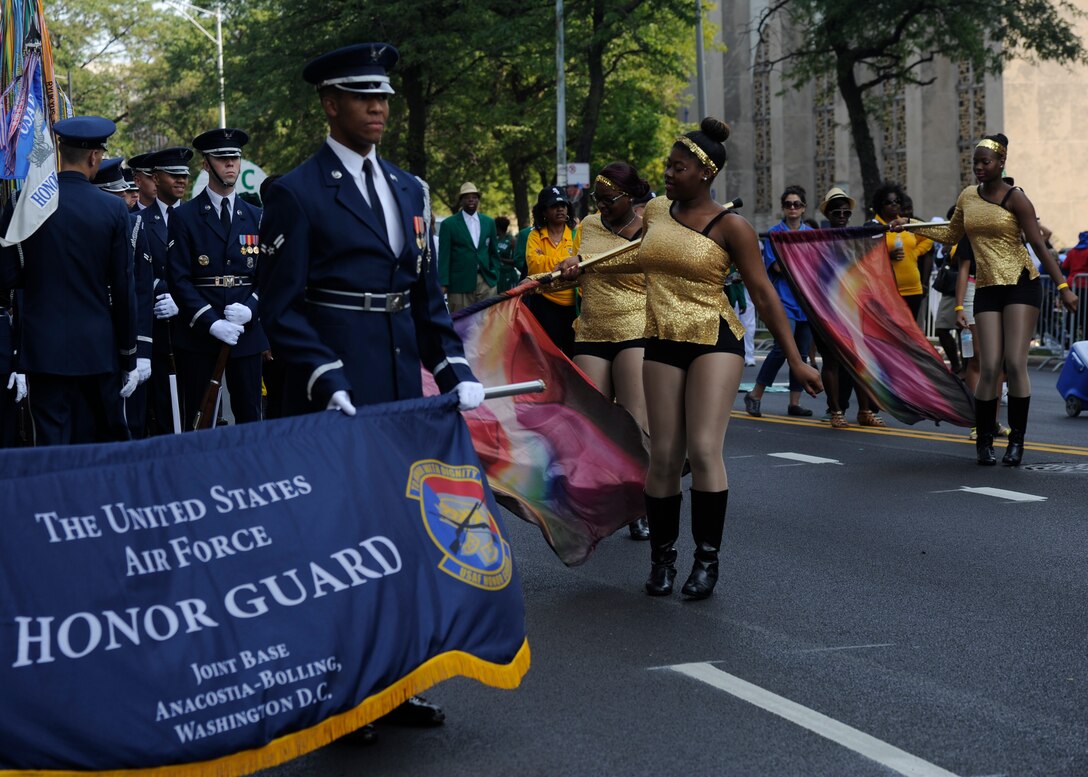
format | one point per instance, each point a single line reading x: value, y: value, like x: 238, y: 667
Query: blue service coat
x: 318, y: 232
x: 143, y: 273
x: 200, y: 248
x: 78, y: 315
x: 158, y: 240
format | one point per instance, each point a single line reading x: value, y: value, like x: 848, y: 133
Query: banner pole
x: 512, y: 389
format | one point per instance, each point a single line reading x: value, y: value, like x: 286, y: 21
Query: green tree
x: 864, y: 46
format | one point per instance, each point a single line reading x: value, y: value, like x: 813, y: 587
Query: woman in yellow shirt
x: 904, y: 248
x: 551, y: 241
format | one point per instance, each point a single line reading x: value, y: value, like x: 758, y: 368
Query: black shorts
x: 683, y: 354
x: 994, y: 299
x: 606, y: 351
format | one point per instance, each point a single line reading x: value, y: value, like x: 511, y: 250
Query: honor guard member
x: 212, y: 265
x: 349, y: 291
x: 111, y: 179
x: 132, y: 191
x: 170, y: 175
x: 78, y: 319
x: 146, y: 191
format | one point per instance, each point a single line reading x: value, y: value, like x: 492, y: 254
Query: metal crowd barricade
x: 1058, y: 329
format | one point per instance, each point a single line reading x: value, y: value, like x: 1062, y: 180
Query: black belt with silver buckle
x: 364, y: 301
x: 222, y: 281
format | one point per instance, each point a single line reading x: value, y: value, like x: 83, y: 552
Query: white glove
x: 17, y: 380
x: 143, y: 368
x: 165, y: 306
x: 225, y: 331
x: 237, y: 313
x: 131, y: 381
x: 470, y: 394
x: 340, y: 401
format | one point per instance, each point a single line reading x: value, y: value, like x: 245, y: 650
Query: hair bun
x: 1000, y: 138
x: 715, y: 129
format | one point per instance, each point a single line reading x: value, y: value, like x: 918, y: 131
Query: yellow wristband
x: 958, y: 308
x: 1063, y: 286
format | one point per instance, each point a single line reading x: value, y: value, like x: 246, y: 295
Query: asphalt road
x: 875, y: 616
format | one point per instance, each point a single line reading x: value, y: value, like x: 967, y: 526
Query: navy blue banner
x: 218, y: 602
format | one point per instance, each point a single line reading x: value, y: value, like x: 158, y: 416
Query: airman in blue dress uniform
x: 111, y: 179
x: 78, y: 318
x: 170, y: 173
x: 349, y: 292
x: 212, y: 263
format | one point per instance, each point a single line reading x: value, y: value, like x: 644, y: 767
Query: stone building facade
x: 924, y: 135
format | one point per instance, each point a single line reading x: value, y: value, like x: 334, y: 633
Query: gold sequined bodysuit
x: 685, y: 280
x: 994, y: 232
x: 613, y: 297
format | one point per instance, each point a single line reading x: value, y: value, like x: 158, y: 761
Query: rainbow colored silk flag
x: 846, y: 285
x: 568, y: 460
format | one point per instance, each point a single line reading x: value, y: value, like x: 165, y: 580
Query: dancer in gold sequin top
x: 994, y: 215
x: 694, y: 356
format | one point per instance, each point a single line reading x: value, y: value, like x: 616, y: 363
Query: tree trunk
x: 590, y: 117
x: 521, y: 192
x: 415, y: 98
x: 859, y: 128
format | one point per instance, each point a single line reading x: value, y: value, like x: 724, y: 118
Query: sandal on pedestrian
x: 869, y: 418
x: 838, y: 420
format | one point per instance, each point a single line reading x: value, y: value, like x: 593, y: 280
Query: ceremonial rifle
x: 205, y: 415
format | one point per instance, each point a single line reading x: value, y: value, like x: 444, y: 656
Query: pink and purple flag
x: 569, y: 459
x: 847, y: 288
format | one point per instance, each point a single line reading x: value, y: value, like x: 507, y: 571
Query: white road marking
x: 804, y: 458
x: 847, y: 647
x: 1000, y: 493
x: 861, y: 743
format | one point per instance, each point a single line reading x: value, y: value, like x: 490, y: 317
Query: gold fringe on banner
x: 442, y: 667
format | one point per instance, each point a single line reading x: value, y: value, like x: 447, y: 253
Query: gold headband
x: 608, y: 182
x: 693, y: 147
x: 993, y: 145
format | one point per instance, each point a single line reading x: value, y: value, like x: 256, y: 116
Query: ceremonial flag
x: 219, y: 602
x: 847, y: 288
x: 569, y: 459
x: 35, y: 159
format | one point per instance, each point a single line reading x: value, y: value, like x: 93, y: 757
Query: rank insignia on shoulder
x: 203, y: 260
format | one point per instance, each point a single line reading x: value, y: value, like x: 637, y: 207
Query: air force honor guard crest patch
x: 455, y: 514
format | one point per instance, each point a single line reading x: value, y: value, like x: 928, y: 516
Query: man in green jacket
x: 468, y: 257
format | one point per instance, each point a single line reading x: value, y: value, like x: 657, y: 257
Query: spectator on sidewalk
x: 468, y: 259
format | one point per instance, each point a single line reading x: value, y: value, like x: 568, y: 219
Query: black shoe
x: 661, y: 578
x: 416, y: 712
x: 751, y: 405
x: 1015, y: 452
x: 704, y: 575
x: 366, y: 735
x: 984, y: 450
x: 798, y: 410
x: 639, y: 528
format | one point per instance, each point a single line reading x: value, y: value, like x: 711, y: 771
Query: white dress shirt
x: 217, y: 203
x: 164, y: 210
x: 472, y: 220
x: 353, y: 163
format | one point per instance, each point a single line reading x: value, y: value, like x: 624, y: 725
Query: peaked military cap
x: 223, y: 142
x: 84, y: 131
x: 130, y: 180
x: 173, y: 160
x: 141, y: 162
x: 362, y: 68
x: 109, y: 177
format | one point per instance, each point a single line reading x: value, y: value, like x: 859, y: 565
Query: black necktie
x: 224, y: 214
x: 375, y: 201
